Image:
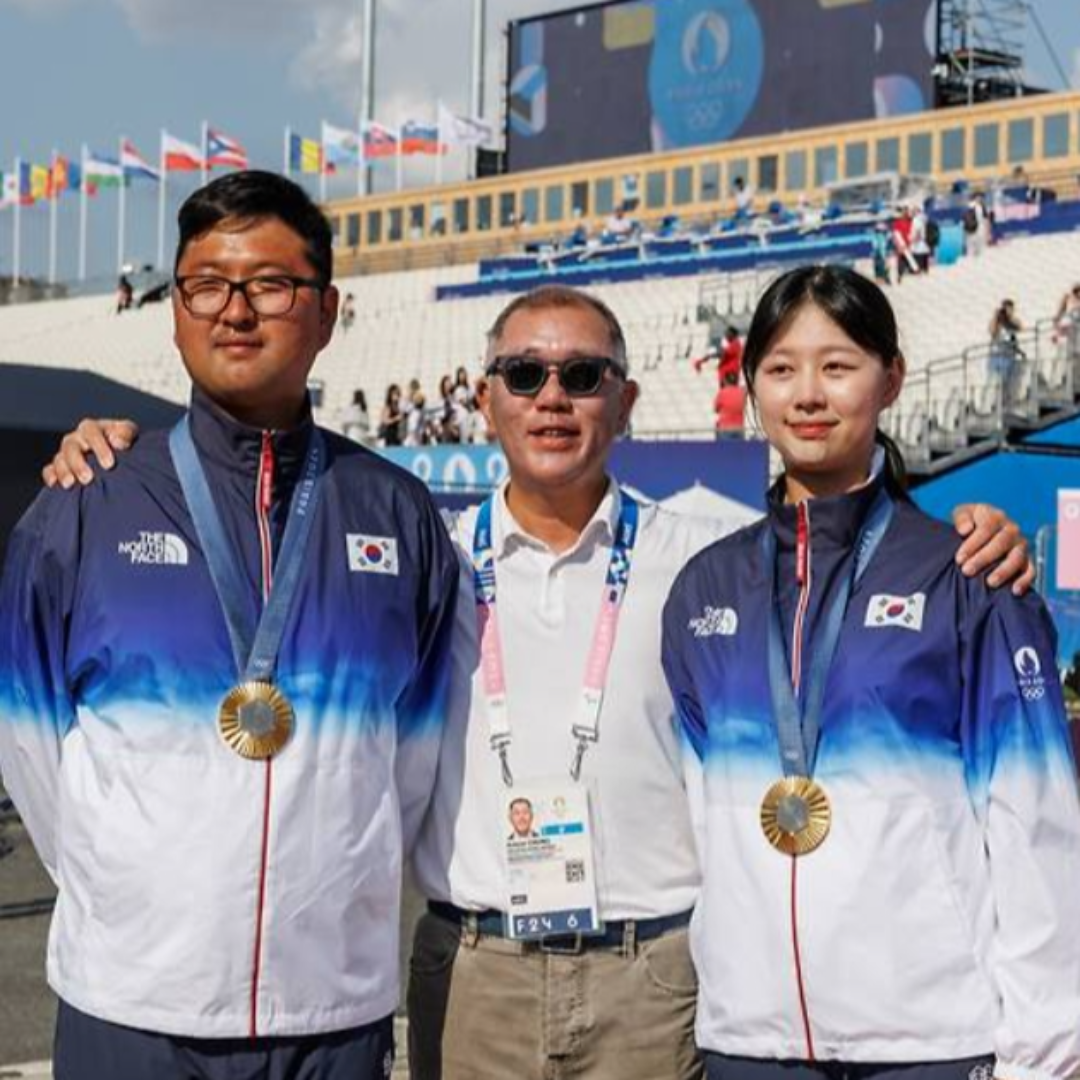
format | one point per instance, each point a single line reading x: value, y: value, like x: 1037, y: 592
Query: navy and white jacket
x: 939, y: 918
x: 200, y: 893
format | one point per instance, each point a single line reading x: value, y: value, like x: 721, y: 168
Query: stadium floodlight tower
x: 980, y: 50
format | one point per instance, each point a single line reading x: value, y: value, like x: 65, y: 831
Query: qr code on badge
x: 575, y: 871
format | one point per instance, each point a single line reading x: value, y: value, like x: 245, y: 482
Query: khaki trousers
x: 484, y: 1008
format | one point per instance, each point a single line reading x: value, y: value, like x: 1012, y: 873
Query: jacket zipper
x: 264, y: 494
x: 804, y: 576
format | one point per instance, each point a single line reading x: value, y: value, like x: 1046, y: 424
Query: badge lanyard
x: 798, y: 720
x: 255, y: 648
x: 586, y: 729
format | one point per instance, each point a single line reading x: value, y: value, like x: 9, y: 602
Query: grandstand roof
x: 55, y: 399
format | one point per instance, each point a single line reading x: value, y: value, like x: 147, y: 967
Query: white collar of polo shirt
x: 507, y: 534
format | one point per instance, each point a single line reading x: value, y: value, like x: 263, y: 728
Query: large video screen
x: 630, y: 77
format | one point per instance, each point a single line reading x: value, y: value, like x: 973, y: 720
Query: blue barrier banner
x: 737, y: 470
x: 1025, y: 486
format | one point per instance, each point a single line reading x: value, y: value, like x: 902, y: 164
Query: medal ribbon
x: 586, y: 730
x: 798, y: 720
x: 255, y: 648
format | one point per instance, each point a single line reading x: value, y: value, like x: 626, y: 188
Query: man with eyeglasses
x: 223, y: 680
x: 564, y: 954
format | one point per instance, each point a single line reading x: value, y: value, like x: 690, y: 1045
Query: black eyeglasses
x: 581, y: 376
x: 269, y: 294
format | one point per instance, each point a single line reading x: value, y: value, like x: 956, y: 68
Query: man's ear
x: 328, y: 313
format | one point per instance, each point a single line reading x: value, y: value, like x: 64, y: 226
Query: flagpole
x: 83, y: 202
x: 322, y: 164
x: 479, y: 28
x: 367, y: 94
x: 122, y: 215
x: 53, y: 200
x: 205, y: 165
x: 361, y: 162
x: 288, y: 155
x: 16, y: 238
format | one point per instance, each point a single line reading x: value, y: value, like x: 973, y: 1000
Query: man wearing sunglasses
x: 560, y: 565
x: 223, y: 677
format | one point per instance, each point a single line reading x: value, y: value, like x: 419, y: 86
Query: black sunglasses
x: 581, y: 376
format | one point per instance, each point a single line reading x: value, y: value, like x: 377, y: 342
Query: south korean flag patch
x: 903, y: 611
x: 372, y: 554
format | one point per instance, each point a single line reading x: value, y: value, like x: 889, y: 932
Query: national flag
x: 222, y: 149
x: 180, y: 156
x: 134, y: 165
x: 904, y: 611
x: 1068, y: 539
x: 40, y: 183
x: 9, y: 190
x: 100, y: 171
x: 417, y: 138
x: 341, y: 146
x: 24, y: 191
x: 457, y: 130
x: 379, y: 141
x: 61, y: 176
x: 305, y: 155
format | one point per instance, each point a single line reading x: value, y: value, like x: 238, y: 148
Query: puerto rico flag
x: 134, y: 164
x: 179, y: 156
x: 222, y: 149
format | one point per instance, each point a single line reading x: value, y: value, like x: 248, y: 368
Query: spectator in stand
x: 744, y: 199
x: 730, y: 407
x: 920, y: 240
x: 729, y: 353
x: 348, y: 313
x: 1005, y: 352
x: 356, y: 421
x: 901, y: 241
x: 618, y: 227
x: 976, y: 225
x: 447, y: 421
x: 125, y: 294
x: 465, y: 403
x: 417, y: 429
x: 881, y: 249
x: 392, y: 420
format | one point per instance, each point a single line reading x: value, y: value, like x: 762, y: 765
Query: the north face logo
x: 155, y: 549
x: 723, y: 621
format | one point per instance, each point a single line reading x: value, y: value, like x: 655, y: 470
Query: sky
x: 91, y: 71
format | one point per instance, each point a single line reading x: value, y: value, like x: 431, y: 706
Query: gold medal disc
x: 255, y: 720
x: 796, y: 815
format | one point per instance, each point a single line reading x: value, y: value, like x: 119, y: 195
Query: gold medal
x: 255, y: 720
x: 795, y: 815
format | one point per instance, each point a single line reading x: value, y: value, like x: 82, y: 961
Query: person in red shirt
x: 901, y: 238
x: 730, y: 407
x: 729, y: 354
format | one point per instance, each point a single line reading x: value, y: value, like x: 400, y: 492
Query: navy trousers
x: 725, y: 1067
x: 91, y: 1049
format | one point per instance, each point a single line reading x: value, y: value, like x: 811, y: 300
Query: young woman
x: 877, y: 752
x: 392, y: 418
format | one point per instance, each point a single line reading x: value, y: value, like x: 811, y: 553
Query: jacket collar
x: 225, y: 443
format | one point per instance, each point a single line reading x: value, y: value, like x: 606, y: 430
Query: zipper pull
x: 266, y: 473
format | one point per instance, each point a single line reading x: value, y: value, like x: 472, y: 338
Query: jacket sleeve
x: 36, y: 709
x: 1023, y: 779
x: 689, y: 714
x: 423, y: 706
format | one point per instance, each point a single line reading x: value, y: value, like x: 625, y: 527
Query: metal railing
x: 960, y: 400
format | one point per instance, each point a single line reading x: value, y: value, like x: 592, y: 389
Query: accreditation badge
x: 550, y: 866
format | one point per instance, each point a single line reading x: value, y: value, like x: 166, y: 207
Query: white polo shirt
x: 547, y: 605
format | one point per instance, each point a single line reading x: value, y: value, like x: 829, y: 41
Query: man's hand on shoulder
x: 98, y: 437
x: 993, y: 539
